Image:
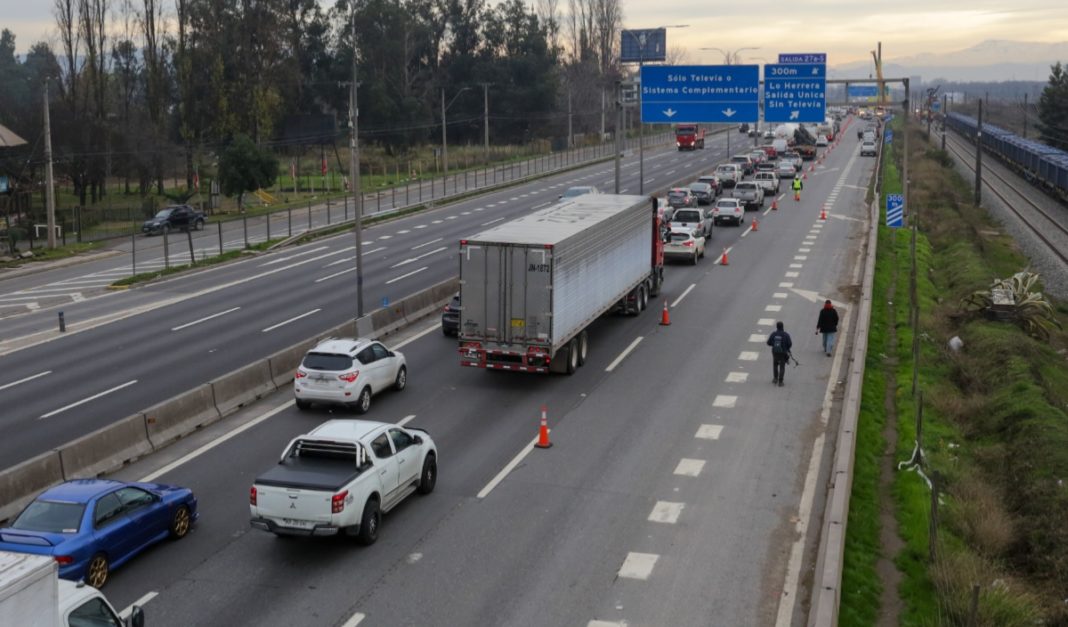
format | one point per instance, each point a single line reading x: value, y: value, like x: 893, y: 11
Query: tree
x: 1053, y: 108
x: 245, y: 167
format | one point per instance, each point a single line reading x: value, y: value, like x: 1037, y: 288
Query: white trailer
x: 529, y: 288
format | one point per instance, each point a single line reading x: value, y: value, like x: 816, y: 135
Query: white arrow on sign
x: 794, y: 115
x: 729, y: 112
x: 669, y: 112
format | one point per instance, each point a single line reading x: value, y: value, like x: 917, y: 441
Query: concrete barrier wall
x: 106, y: 449
x: 180, y: 415
x: 284, y: 363
x: 242, y: 386
x: 20, y: 483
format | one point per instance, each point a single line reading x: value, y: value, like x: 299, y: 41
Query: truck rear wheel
x: 583, y: 348
x: 572, y: 356
x: 369, y: 522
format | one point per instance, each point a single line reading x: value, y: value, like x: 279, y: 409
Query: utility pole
x: 444, y: 141
x: 979, y: 155
x: 570, y: 135
x: 485, y: 122
x: 603, y: 98
x: 50, y: 193
x: 354, y: 174
x: 1025, y: 116
x: 619, y: 128
x: 945, y: 112
x: 905, y: 158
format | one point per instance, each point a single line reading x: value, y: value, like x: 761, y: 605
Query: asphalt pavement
x: 680, y: 487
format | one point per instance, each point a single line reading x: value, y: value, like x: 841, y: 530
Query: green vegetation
x: 245, y: 167
x: 42, y: 253
x: 995, y: 427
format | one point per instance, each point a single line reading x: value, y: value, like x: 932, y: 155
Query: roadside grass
x: 995, y: 428
x: 41, y: 253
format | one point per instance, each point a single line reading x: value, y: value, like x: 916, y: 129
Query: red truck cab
x: 689, y: 137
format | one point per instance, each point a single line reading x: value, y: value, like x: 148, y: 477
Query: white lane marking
x: 690, y: 467
x: 507, y: 469
x: 29, y: 378
x: 334, y: 263
x: 666, y: 512
x: 152, y: 476
x: 204, y: 319
x: 293, y: 319
x: 708, y: 432
x: 773, y: 308
x: 465, y: 213
x: 606, y: 623
x: 804, y: 250
x: 756, y: 337
x: 683, y: 295
x: 418, y: 257
x: 818, y: 225
x: 355, y: 620
x: 406, y: 419
x: 638, y: 565
x: 786, y: 284
x: 421, y: 226
x: 724, y: 400
x: 766, y: 322
x: 539, y: 205
x: 800, y: 257
x: 145, y: 598
x: 779, y: 295
x: 293, y: 256
x: 86, y: 400
x: 402, y: 344
x: 747, y: 230
x: 405, y: 276
x: 797, y: 265
x: 385, y: 237
x: 792, y: 275
x: 492, y: 221
x: 336, y: 274
x: 436, y: 221
x: 748, y: 356
x: 403, y: 232
x: 368, y: 252
x: 450, y: 217
x: 623, y: 355
x: 425, y: 244
x: 736, y: 377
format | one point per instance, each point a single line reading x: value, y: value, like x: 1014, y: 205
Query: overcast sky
x: 846, y: 30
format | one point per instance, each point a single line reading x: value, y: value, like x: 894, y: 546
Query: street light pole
x: 444, y: 141
x: 485, y: 122
x: 354, y: 175
x: 642, y: 40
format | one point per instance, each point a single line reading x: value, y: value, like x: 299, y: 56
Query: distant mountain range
x: 991, y: 60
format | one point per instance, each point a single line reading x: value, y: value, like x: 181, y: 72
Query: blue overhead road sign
x: 862, y: 91
x: 895, y: 210
x: 803, y: 57
x: 700, y: 93
x: 795, y: 92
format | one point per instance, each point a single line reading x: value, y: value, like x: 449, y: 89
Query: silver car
x: 348, y: 372
x: 703, y: 192
x: 785, y: 169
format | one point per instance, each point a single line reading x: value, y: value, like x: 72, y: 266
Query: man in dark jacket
x: 827, y: 324
x: 780, y: 344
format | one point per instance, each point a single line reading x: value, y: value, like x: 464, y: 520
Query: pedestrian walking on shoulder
x: 780, y: 344
x: 827, y: 324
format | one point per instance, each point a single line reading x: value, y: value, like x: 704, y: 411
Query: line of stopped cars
x: 723, y: 196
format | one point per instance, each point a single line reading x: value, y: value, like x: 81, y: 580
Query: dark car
x: 91, y: 526
x: 181, y: 217
x: 450, y: 317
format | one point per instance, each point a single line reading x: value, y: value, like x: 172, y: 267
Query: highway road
x: 679, y: 491
x: 126, y: 351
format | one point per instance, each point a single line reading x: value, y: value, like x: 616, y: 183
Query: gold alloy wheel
x: 181, y: 522
x: 97, y: 574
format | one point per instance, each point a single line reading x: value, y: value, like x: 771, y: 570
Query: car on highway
x: 340, y: 478
x: 681, y: 197
x: 712, y: 180
x: 578, y: 190
x: 821, y: 141
x: 93, y: 526
x: 695, y: 218
x: 785, y: 169
x: 450, y: 317
x: 728, y: 210
x: 769, y: 134
x: 766, y: 166
x: 703, y: 192
x: 744, y: 162
x: 793, y: 158
x: 750, y: 193
x: 770, y: 152
x: 867, y: 149
x: 181, y: 217
x: 758, y: 157
x: 685, y: 243
x: 728, y: 174
x: 348, y: 372
x: 769, y: 181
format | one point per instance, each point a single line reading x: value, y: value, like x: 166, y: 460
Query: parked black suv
x: 450, y: 317
x: 174, y: 217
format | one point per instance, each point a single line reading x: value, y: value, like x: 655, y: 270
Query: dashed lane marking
x: 737, y: 377
x: 708, y: 432
x: 724, y: 400
x: 773, y: 308
x: 638, y: 566
x: 748, y: 356
x: 690, y: 467
x: 88, y: 399
x: 666, y: 512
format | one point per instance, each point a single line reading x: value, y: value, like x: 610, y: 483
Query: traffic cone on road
x: 823, y: 213
x: 665, y: 318
x: 756, y: 224
x: 723, y: 258
x: 543, y: 431
x: 775, y: 204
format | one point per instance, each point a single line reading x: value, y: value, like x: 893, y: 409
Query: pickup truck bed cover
x: 310, y: 474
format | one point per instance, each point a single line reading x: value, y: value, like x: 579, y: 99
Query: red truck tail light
x: 64, y: 560
x: 337, y: 502
x: 252, y: 495
x: 349, y: 376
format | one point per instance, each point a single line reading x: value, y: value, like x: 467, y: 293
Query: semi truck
x: 33, y: 595
x: 529, y: 288
x: 689, y: 137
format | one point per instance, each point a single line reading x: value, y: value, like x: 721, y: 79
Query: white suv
x: 728, y: 209
x: 348, y: 372
x: 729, y: 174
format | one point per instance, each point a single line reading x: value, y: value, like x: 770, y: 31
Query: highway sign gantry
x: 795, y: 92
x: 895, y: 210
x: 672, y: 94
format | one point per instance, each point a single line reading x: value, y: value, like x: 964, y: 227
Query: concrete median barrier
x: 180, y: 415
x: 285, y: 362
x: 242, y: 386
x: 106, y: 449
x: 20, y: 483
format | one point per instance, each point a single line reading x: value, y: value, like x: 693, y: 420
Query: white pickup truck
x: 341, y: 477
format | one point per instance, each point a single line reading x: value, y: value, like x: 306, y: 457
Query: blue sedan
x: 91, y: 526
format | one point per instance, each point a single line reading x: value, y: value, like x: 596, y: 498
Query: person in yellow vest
x: 797, y: 185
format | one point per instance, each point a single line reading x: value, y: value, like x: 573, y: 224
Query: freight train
x: 1042, y: 165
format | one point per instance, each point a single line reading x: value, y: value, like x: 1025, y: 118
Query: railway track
x: 964, y: 151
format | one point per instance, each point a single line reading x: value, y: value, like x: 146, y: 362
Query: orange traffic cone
x: 823, y: 213
x: 756, y: 224
x: 775, y: 204
x: 543, y: 431
x: 805, y: 176
x: 665, y: 318
x: 723, y: 259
